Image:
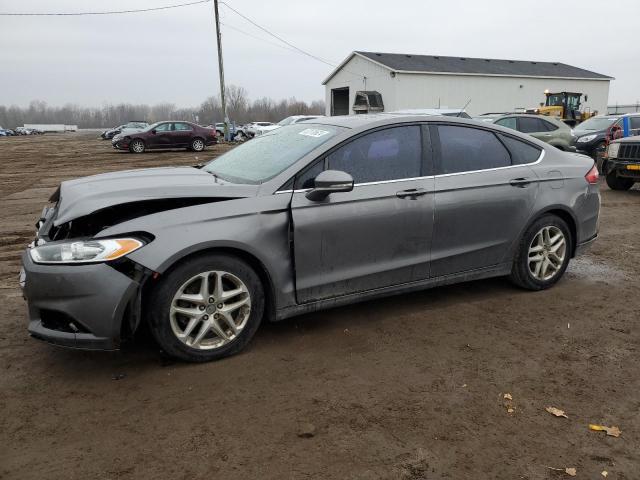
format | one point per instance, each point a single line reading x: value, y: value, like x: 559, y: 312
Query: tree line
x: 240, y: 109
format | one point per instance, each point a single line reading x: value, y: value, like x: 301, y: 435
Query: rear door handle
x: 411, y: 193
x: 520, y: 182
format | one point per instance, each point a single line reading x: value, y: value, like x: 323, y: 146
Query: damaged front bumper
x: 78, y: 306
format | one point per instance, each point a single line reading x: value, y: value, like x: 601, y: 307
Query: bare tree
x: 240, y: 108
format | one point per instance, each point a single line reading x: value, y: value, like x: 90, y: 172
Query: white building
x: 487, y: 85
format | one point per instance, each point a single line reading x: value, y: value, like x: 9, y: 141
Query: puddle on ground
x: 586, y: 268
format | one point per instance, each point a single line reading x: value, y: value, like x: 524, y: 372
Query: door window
x: 182, y: 127
x: 634, y: 123
x: 507, y: 122
x: 390, y: 154
x: 465, y: 149
x: 521, y: 152
x: 531, y: 125
x: 164, y: 127
x: 550, y: 127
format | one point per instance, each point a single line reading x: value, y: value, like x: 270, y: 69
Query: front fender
x: 257, y: 226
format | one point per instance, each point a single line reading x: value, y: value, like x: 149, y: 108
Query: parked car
x: 297, y: 119
x: 258, y: 128
x: 236, y: 131
x: 548, y: 129
x: 167, y: 135
x: 590, y: 137
x: 127, y: 128
x: 23, y: 131
x: 363, y: 206
x: 622, y: 167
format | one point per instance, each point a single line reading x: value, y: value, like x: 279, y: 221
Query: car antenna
x: 464, y: 108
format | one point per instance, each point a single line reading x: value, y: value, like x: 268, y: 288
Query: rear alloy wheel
x: 197, y: 145
x: 543, y: 254
x: 137, y: 146
x: 207, y: 308
x: 616, y: 183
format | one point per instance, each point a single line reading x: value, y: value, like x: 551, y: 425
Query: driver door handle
x: 412, y: 193
x: 520, y: 182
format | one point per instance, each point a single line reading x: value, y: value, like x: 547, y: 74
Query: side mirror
x: 153, y: 131
x: 330, y: 181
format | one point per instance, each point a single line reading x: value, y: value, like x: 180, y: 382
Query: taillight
x: 592, y: 175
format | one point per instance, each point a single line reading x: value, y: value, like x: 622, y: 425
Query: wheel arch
x: 565, y: 214
x: 252, y: 260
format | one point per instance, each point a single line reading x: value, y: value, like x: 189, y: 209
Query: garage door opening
x: 340, y: 101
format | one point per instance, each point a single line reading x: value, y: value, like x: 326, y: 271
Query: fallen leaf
x: 604, y: 473
x: 611, y: 431
x: 572, y: 472
x: 557, y: 412
x: 507, y: 396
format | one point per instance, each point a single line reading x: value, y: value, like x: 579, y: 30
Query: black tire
x: 161, y: 298
x: 137, y: 146
x: 520, y: 272
x: 197, y: 144
x: 616, y: 183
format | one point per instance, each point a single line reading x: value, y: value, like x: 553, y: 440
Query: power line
x: 278, y: 37
x: 258, y: 38
x: 113, y: 12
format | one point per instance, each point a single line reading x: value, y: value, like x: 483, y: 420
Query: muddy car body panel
x: 429, y: 227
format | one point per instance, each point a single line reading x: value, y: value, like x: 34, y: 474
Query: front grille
x: 629, y: 151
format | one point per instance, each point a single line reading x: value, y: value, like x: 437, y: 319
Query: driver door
x: 375, y: 236
x: 162, y: 137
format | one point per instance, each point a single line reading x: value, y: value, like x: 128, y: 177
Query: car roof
x: 376, y: 119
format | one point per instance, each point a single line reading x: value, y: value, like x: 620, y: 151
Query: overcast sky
x: 170, y: 55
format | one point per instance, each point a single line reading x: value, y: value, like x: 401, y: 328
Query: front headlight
x: 85, y: 251
x: 586, y: 138
x: 612, y: 151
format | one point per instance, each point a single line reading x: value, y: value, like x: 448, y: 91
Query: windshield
x: 555, y: 100
x: 266, y: 156
x: 596, y: 123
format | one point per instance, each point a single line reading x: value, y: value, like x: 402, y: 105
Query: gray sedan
x: 307, y: 217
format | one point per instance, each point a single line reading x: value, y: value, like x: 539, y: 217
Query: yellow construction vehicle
x: 565, y: 106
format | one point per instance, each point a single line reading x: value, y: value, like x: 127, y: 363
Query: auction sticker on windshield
x: 313, y: 132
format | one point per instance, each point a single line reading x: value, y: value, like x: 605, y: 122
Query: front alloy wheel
x: 205, y: 308
x: 210, y: 310
x: 137, y: 146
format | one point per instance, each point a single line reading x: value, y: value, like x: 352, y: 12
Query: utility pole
x: 221, y: 70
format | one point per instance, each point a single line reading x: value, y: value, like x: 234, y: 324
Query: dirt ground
x: 406, y: 387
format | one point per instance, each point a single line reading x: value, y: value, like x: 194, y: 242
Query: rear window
x: 521, y: 152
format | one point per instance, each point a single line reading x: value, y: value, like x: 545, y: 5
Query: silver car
x: 308, y: 217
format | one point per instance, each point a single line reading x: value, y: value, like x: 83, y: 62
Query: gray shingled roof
x: 479, y: 66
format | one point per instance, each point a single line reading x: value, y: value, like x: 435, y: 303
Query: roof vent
x: 534, y: 63
x: 462, y: 58
x: 555, y: 63
x: 437, y: 58
x: 511, y: 61
x: 378, y: 54
x: 408, y: 56
x: 487, y: 60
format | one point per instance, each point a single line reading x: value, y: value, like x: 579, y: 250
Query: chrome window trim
x: 542, y: 154
x: 495, y: 168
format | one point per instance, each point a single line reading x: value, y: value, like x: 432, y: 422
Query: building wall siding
x: 490, y: 94
x: 487, y: 94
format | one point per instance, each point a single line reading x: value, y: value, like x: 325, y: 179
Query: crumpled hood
x: 83, y: 196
